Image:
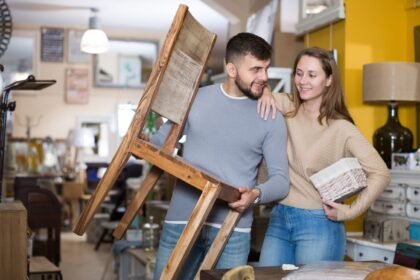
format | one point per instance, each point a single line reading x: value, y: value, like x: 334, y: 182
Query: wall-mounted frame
x: 52, y: 44
x: 313, y: 15
x: 127, y: 63
x: 77, y: 86
x: 74, y: 54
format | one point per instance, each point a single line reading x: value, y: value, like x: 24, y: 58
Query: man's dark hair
x: 247, y: 43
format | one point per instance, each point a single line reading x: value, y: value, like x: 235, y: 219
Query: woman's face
x: 310, y: 78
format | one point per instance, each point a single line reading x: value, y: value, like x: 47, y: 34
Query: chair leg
x: 101, y: 238
x: 137, y: 201
x: 219, y: 241
x: 191, y: 231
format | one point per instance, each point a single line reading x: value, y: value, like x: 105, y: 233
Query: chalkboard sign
x: 52, y: 44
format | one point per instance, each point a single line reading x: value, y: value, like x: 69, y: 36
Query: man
x: 226, y: 138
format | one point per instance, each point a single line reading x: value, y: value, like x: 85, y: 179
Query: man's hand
x: 331, y: 209
x: 247, y: 198
x: 266, y: 103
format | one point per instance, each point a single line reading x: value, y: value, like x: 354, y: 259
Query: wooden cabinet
x: 13, y: 247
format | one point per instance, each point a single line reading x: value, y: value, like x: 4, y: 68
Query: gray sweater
x: 226, y: 138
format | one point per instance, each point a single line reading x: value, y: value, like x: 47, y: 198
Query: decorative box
x: 406, y: 161
x: 385, y: 229
x: 340, y: 180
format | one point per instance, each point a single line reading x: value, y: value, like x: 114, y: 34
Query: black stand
x: 29, y: 84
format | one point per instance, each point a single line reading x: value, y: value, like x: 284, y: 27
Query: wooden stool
x: 169, y: 92
x: 39, y: 265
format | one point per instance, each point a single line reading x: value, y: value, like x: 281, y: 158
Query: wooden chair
x: 169, y: 92
x: 44, y: 212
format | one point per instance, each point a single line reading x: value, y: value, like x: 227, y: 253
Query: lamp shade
x: 94, y: 40
x: 82, y: 138
x: 391, y: 81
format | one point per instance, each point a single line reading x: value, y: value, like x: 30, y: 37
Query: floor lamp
x: 29, y: 84
x: 392, y: 82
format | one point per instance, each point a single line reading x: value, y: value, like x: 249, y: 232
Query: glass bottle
x: 150, y: 235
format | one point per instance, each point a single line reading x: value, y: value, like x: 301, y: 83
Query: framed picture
x: 74, y: 54
x: 52, y: 44
x: 129, y: 74
x: 127, y: 64
x: 316, y: 14
x: 77, y: 86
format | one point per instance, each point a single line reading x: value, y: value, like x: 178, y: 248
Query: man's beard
x: 247, y: 90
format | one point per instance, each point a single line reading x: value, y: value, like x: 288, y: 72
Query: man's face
x: 251, y: 77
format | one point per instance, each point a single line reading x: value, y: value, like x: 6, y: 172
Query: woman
x: 303, y: 228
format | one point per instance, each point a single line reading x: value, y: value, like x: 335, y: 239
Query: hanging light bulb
x: 94, y: 40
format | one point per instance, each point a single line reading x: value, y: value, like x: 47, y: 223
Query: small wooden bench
x: 40, y: 265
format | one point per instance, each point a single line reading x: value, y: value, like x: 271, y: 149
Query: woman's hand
x: 331, y: 209
x: 266, y: 103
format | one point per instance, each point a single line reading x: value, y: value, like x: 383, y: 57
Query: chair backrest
x: 21, y: 183
x: 44, y: 212
x: 407, y: 254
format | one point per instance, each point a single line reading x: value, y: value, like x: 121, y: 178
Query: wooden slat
x: 192, y: 229
x: 219, y: 242
x: 183, y: 75
x: 182, y: 170
x: 137, y: 201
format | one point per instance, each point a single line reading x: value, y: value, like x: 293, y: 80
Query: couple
x: 228, y: 139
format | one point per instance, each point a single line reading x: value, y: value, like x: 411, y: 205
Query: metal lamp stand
x: 29, y: 84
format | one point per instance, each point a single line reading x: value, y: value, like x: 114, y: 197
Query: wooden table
x: 261, y: 273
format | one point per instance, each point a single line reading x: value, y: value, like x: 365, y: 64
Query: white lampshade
x: 82, y: 138
x: 94, y: 40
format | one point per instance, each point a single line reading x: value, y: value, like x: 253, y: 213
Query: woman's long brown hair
x: 333, y: 105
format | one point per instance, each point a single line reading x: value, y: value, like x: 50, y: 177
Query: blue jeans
x: 235, y: 252
x: 301, y: 236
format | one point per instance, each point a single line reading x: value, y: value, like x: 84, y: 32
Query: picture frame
x: 110, y: 68
x: 327, y: 13
x: 77, y: 86
x: 74, y: 54
x: 52, y: 44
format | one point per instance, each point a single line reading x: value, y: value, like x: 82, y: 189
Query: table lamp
x: 80, y: 139
x: 392, y: 82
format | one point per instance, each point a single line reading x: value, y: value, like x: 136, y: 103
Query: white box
x: 406, y: 161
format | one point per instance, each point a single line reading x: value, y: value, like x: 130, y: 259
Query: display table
x: 261, y: 273
x: 361, y: 249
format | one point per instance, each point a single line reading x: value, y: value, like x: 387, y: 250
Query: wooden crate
x: 13, y: 241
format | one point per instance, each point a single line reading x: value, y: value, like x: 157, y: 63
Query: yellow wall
x: 373, y: 31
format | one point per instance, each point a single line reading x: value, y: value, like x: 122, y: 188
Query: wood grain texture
x: 13, y: 253
x: 182, y: 170
x: 137, y: 201
x: 192, y: 229
x: 121, y: 156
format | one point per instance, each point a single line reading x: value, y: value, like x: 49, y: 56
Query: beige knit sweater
x: 312, y: 147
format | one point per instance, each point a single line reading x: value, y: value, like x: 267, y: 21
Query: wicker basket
x: 340, y: 180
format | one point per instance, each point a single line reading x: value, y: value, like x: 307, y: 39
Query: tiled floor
x: 79, y: 260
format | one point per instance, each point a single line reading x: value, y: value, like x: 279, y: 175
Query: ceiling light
x: 94, y: 40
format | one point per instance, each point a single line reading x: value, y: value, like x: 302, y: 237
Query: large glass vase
x: 392, y: 137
